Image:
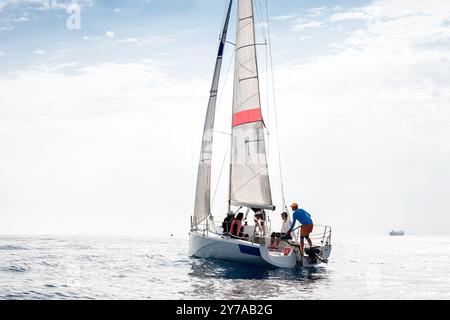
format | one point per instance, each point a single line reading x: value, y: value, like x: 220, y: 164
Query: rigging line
x: 275, y: 107
x: 259, y: 17
x: 241, y: 103
x: 242, y: 64
x: 248, y: 165
x: 248, y: 181
x: 220, y: 174
x: 221, y: 132
x: 243, y: 160
x: 246, y: 25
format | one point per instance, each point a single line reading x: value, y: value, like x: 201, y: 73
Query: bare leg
x: 309, y: 241
x: 302, y: 245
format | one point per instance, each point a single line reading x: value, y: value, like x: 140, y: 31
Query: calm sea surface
x: 146, y: 268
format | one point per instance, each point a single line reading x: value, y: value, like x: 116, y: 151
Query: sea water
x: 383, y: 267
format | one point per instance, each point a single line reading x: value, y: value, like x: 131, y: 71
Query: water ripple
x: 12, y: 248
x: 138, y: 268
x: 16, y: 268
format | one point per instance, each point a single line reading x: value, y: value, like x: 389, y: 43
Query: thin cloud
x: 350, y: 15
x: 39, y: 51
x: 305, y: 37
x: 283, y: 17
x: 301, y: 24
x: 150, y: 41
x: 316, y: 12
x: 21, y: 19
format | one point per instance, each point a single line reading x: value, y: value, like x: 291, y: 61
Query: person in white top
x: 276, y: 236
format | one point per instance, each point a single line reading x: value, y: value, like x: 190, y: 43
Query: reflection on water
x: 211, y: 268
x: 222, y: 279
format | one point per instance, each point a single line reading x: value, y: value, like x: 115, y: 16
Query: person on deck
x: 260, y: 222
x: 277, y: 236
x: 226, y: 224
x: 237, y: 230
x: 306, y: 222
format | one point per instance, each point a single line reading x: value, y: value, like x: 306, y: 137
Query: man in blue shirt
x: 305, y: 220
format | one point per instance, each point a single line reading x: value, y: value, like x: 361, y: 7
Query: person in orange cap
x: 306, y: 222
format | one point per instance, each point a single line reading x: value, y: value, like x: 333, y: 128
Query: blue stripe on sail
x: 249, y: 250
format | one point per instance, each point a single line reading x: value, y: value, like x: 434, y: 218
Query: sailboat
x: 249, y: 179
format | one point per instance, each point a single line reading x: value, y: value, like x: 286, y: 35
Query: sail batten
x: 249, y: 177
x: 203, y: 192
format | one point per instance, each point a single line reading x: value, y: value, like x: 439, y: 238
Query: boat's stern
x: 288, y: 254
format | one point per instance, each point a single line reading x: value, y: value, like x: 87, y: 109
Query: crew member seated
x: 226, y: 224
x: 277, y: 236
x: 237, y: 230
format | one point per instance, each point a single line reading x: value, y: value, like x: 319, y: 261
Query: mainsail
x: 203, y: 193
x: 249, y: 179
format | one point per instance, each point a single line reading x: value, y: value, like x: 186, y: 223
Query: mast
x: 249, y: 183
x: 203, y: 192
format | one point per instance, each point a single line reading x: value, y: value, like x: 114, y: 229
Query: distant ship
x: 397, y: 233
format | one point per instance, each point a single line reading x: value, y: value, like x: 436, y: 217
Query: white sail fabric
x: 249, y: 179
x: 203, y: 193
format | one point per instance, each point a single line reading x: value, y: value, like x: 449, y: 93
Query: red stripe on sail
x: 247, y: 116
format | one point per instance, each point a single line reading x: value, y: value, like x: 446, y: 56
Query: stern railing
x: 320, y: 234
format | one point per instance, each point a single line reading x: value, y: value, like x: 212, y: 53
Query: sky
x: 102, y: 106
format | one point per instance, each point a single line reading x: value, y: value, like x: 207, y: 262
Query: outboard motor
x: 314, y: 254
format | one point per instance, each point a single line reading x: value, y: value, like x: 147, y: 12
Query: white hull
x: 215, y: 247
